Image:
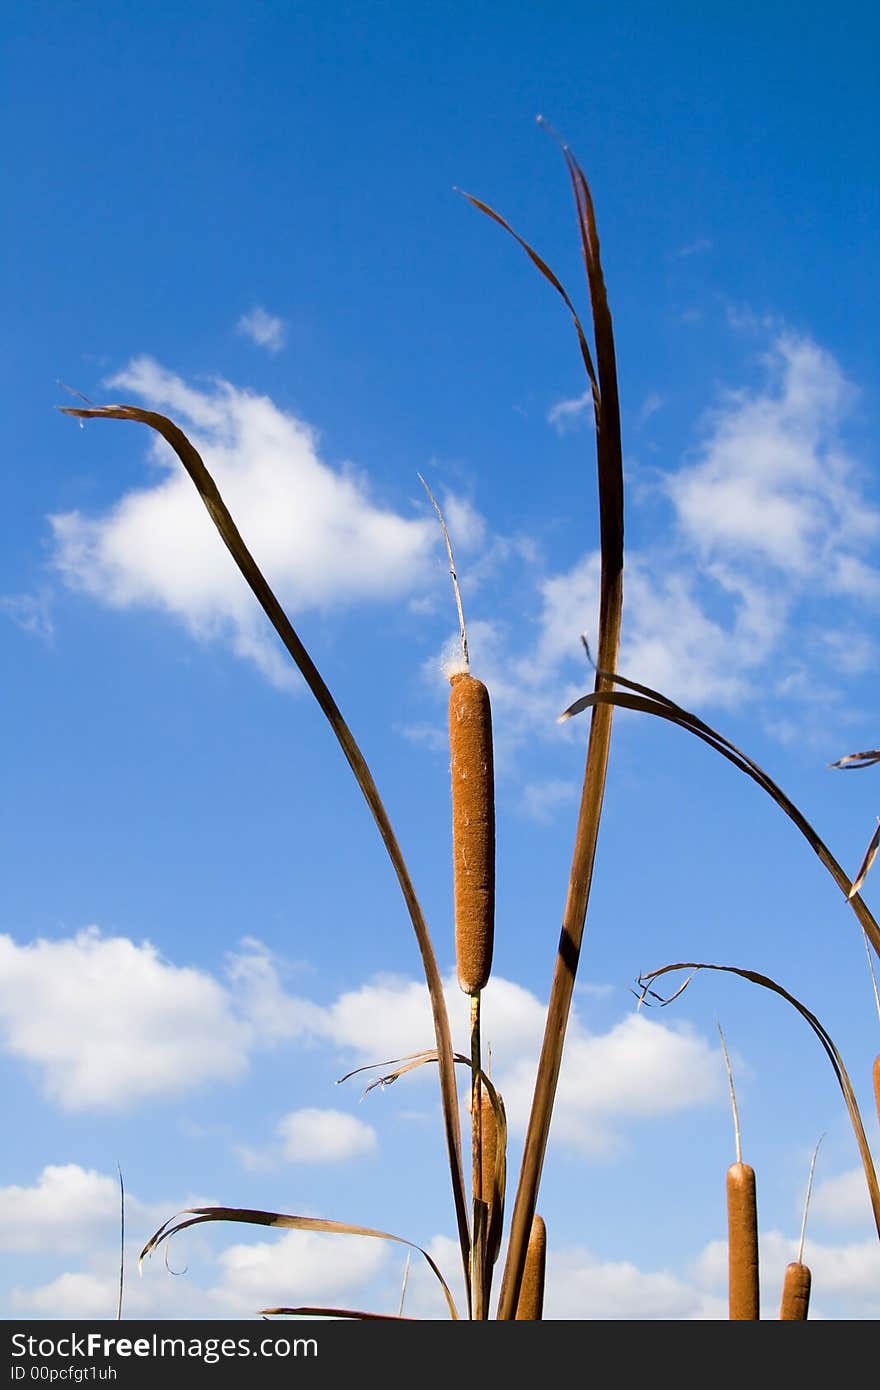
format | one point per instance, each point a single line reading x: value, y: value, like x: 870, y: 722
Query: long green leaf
x: 232, y: 539
x: 825, y: 1039
x: 198, y: 1215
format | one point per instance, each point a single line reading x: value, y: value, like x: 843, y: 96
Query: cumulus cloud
x: 769, y: 514
x: 580, y: 1284
x: 106, y: 1022
x: 772, y: 483
x: 298, y: 1267
x: 67, y: 1207
x: 74, y: 1212
x: 320, y: 537
x: 324, y: 1136
x: 842, y: 1199
x: 638, y: 1069
x: 263, y: 329
x: 844, y: 1275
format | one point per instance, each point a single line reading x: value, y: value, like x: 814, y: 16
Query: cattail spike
x: 742, y: 1236
x: 530, y: 1305
x: 473, y: 829
x: 795, y: 1306
x: 489, y: 1133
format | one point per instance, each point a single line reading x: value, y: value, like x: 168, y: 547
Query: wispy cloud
x: 30, y: 612
x: 698, y: 247
x: 568, y: 414
x: 262, y: 328
x: 314, y: 1135
x: 772, y: 483
x: 649, y: 406
x: 769, y: 516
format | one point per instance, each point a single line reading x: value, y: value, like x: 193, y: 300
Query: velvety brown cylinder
x: 876, y: 1070
x: 473, y: 829
x: 488, y: 1145
x: 742, y: 1241
x: 795, y: 1306
x: 530, y: 1305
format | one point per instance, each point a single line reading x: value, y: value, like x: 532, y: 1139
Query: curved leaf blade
x: 282, y: 1220
x: 825, y: 1039
x: 232, y: 539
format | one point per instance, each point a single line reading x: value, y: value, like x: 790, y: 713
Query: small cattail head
x: 530, y: 1305
x: 473, y: 829
x: 795, y: 1306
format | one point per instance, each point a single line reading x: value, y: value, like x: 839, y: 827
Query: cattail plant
x: 795, y: 1305
x: 472, y: 772
x: 479, y: 1223
x: 742, y: 1221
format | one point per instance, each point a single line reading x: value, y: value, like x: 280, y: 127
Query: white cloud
x: 842, y: 1199
x: 539, y: 801
x: 649, y: 406
x: 30, y: 612
x: 844, y: 1276
x: 106, y: 1022
x: 315, y: 530
x: 581, y: 1285
x: 74, y: 1294
x: 324, y: 1136
x: 296, y: 1268
x: 567, y: 414
x: 263, y: 329
x: 771, y: 482
x: 67, y: 1208
x: 772, y: 514
x: 639, y: 1068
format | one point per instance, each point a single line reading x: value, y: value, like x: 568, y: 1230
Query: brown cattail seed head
x: 530, y: 1304
x: 489, y: 1144
x: 473, y: 829
x: 876, y: 1071
x: 795, y: 1304
x: 742, y: 1238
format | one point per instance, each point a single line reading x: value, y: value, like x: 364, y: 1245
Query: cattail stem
x: 478, y: 1244
x: 476, y: 1107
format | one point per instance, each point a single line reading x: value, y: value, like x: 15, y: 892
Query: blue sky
x: 244, y: 216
